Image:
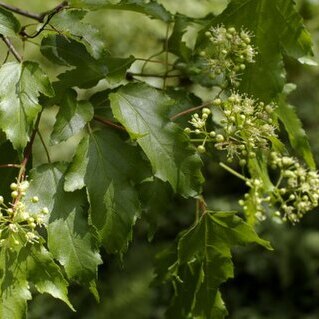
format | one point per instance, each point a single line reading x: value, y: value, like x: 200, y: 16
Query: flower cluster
x: 297, y: 187
x: 18, y: 225
x: 229, y: 52
x: 255, y: 200
x: 245, y: 125
x: 295, y: 191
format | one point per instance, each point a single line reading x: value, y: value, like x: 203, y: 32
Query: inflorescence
x: 245, y: 125
x: 228, y: 53
x: 18, y: 224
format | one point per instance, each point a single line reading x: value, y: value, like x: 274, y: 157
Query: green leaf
x: 154, y: 209
x: 71, y: 118
x: 70, y: 238
x: 175, y: 43
x: 51, y: 280
x: 297, y: 136
x: 69, y: 22
x: 204, y: 263
x: 87, y: 71
x: 14, y: 287
x: 151, y: 8
x: 22, y: 266
x: 107, y: 167
x: 20, y: 87
x: 278, y: 30
x: 9, y: 25
x: 143, y: 111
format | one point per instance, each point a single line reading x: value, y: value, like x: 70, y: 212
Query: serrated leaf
x: 151, y: 8
x: 107, y: 166
x: 71, y: 118
x: 9, y: 25
x: 51, y: 280
x: 69, y: 22
x: 87, y: 71
x: 20, y: 87
x: 70, y: 239
x: 14, y: 287
x: 143, y: 111
x: 278, y: 29
x: 297, y: 135
x: 22, y: 266
x: 204, y: 263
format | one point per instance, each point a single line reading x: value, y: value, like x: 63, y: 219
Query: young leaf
x: 204, y: 263
x: 143, y: 111
x: 69, y: 236
x: 151, y: 8
x: 20, y: 87
x: 9, y: 25
x: 278, y: 29
x: 71, y: 118
x: 107, y: 166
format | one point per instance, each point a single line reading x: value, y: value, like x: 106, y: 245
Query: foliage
x: 140, y: 145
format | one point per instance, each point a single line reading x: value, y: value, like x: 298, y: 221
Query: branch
x: 109, y: 123
x: 50, y: 14
x: 35, y: 16
x: 191, y: 110
x: 11, y: 48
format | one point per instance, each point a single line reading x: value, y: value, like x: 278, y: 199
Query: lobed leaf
x: 143, y: 111
x: 70, y: 238
x: 203, y: 262
x: 106, y: 166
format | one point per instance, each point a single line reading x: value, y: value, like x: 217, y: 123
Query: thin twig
x: 50, y: 14
x: 109, y: 123
x: 11, y: 48
x: 191, y: 110
x: 35, y: 16
x: 10, y: 166
x: 151, y: 75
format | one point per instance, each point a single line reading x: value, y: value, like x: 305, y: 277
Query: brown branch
x: 35, y: 16
x: 191, y: 110
x: 109, y: 123
x: 11, y: 48
x: 28, y: 150
x: 50, y: 14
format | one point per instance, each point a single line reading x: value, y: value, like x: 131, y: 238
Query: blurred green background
x: 283, y: 284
